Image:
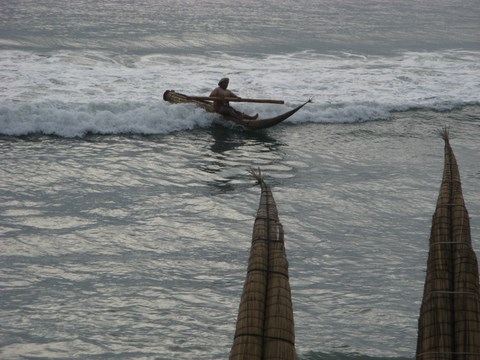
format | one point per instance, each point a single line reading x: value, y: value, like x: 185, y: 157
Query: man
x: 222, y: 106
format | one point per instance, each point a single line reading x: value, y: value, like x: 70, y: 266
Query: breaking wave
x: 71, y: 94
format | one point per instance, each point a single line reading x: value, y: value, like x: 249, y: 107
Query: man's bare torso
x: 221, y: 93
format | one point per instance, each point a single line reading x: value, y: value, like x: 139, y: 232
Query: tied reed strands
x: 176, y: 98
x: 449, y: 322
x: 265, y: 326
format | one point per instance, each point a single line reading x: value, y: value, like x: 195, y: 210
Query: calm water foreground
x: 136, y: 246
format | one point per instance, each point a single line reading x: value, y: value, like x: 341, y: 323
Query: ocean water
x: 125, y: 221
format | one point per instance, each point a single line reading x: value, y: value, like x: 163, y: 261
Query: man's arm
x: 232, y: 95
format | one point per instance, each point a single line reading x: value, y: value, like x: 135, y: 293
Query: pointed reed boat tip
x: 445, y: 134
x: 257, y: 175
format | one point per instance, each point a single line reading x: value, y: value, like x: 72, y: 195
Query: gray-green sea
x: 126, y: 221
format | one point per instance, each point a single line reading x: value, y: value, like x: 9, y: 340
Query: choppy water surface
x: 378, y: 26
x: 136, y: 247
x: 125, y: 221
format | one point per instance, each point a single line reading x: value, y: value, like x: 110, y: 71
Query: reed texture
x: 265, y: 325
x: 449, y: 322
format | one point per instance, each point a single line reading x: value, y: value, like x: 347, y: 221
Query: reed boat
x: 265, y: 328
x: 449, y: 321
x: 248, y: 122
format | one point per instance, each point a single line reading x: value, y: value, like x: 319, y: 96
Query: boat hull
x: 177, y: 98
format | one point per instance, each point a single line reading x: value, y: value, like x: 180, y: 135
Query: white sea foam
x: 73, y: 93
x: 78, y: 120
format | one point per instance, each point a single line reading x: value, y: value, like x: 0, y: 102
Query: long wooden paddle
x: 211, y: 98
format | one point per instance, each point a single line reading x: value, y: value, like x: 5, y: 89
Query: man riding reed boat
x: 218, y: 102
x: 223, y: 107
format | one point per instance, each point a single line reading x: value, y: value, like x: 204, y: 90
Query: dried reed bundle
x: 265, y: 327
x: 449, y: 323
x: 176, y: 98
